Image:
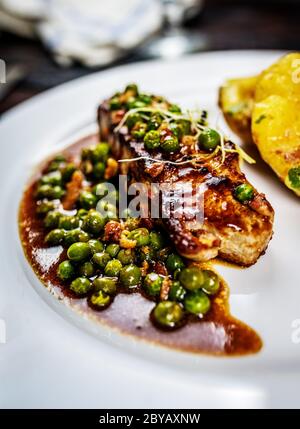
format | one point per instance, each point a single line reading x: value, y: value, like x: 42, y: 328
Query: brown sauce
x: 218, y: 333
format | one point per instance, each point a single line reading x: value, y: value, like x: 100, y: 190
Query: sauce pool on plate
x: 216, y: 333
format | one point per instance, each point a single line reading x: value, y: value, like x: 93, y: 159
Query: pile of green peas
x: 96, y: 269
x: 52, y: 184
x: 99, y: 270
x: 152, y: 128
x: 157, y: 134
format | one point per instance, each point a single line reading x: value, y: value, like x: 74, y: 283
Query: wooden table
x: 227, y: 25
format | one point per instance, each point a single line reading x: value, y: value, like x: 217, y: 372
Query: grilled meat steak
x: 236, y: 231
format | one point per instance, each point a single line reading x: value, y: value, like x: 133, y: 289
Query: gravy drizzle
x: 218, y: 333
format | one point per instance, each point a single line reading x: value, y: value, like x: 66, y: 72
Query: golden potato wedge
x: 276, y: 132
x: 266, y: 109
x: 236, y: 102
x: 282, y: 78
x: 276, y: 119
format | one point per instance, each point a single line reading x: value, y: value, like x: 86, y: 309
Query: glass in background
x: 174, y: 40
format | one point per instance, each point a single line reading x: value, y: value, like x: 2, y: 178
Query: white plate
x: 48, y: 362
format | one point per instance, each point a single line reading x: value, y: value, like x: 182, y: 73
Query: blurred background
x: 47, y: 42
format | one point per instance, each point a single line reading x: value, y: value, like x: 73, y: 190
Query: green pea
x: 56, y: 163
x: 152, y: 284
x: 78, y: 252
x: 111, y: 215
x: 65, y: 270
x: 67, y: 172
x: 192, y: 278
x: 154, y: 122
x: 60, y: 158
x: 144, y: 98
x: 87, y: 168
x: 99, y: 170
x: 52, y: 219
x: 209, y: 139
x: 141, y: 235
x: 101, y: 259
x: 168, y: 314
x: 45, y: 207
x: 112, y: 249
x: 126, y: 256
x: 50, y: 192
x: 86, y: 269
x: 113, y: 268
x: 174, y: 109
x: 87, y: 200
x: 57, y: 192
x: 294, y: 177
x: 81, y: 213
x: 106, y: 284
x: 74, y: 236
x: 115, y: 104
x: 197, y: 302
x: 133, y: 119
x: 211, y: 283
x: 133, y: 103
x: 54, y: 166
x: 176, y: 130
x: 174, y: 262
x: 244, y: 192
x: 156, y: 240
x: 96, y: 246
x: 93, y: 223
x: 55, y: 237
x: 99, y: 300
x: 86, y: 154
x: 139, y: 130
x: 100, y: 152
x: 181, y: 127
x: 53, y: 178
x: 170, y: 144
x: 130, y: 276
x: 132, y: 87
x: 81, y: 286
x: 185, y: 126
x: 152, y: 139
x: 68, y: 222
x: 177, y: 292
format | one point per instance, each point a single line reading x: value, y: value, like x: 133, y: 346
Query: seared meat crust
x: 237, y: 232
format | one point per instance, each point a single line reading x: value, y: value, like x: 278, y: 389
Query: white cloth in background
x: 94, y: 32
